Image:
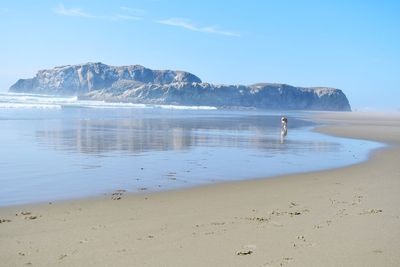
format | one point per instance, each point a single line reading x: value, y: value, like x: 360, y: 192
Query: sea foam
x: 26, y: 101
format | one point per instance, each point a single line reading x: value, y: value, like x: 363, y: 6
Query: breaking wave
x: 33, y: 101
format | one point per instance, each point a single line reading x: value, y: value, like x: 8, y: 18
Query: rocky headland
x: 137, y: 84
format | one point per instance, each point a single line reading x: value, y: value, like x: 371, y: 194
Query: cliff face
x: 81, y: 79
x: 138, y: 84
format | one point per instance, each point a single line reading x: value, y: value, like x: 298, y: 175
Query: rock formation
x: 138, y: 84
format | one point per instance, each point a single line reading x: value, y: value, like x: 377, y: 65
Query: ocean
x: 58, y: 148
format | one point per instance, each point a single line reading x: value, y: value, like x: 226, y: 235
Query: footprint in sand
x: 259, y: 219
x: 357, y: 199
x: 217, y: 223
x: 302, y: 242
x: 117, y: 195
x: 244, y: 252
x: 282, y: 262
x: 371, y: 211
x: 341, y: 213
x: 286, y: 260
x: 247, y: 250
x: 28, y: 215
x: 62, y: 256
x: 278, y: 213
x: 321, y: 225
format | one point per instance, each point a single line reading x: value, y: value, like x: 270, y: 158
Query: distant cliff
x: 138, y: 84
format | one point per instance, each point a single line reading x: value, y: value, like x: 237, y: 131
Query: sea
x: 61, y: 148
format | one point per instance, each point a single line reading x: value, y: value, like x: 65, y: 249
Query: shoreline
x: 105, y: 195
x: 345, y: 216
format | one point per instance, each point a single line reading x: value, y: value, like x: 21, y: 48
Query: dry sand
x: 342, y: 217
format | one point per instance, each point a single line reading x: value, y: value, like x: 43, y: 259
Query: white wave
x: 186, y: 107
x: 19, y: 100
x: 28, y: 106
x: 101, y: 104
x: 35, y: 98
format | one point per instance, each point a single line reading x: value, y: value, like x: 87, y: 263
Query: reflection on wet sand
x: 93, y: 151
x: 137, y: 135
x: 283, y: 135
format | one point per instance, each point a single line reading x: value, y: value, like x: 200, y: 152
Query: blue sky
x: 352, y: 46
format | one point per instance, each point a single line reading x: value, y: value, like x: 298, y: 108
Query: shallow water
x: 62, y: 148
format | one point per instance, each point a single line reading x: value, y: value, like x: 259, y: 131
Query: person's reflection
x: 284, y: 130
x: 138, y: 135
x: 283, y: 135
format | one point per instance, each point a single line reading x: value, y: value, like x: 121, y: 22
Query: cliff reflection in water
x: 137, y: 135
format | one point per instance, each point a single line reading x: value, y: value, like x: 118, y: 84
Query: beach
x: 341, y: 217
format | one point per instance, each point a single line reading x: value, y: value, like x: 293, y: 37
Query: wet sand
x: 343, y: 217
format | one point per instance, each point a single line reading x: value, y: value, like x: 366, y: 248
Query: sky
x: 350, y: 45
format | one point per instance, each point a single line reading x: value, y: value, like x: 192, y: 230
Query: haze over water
x: 62, y: 148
